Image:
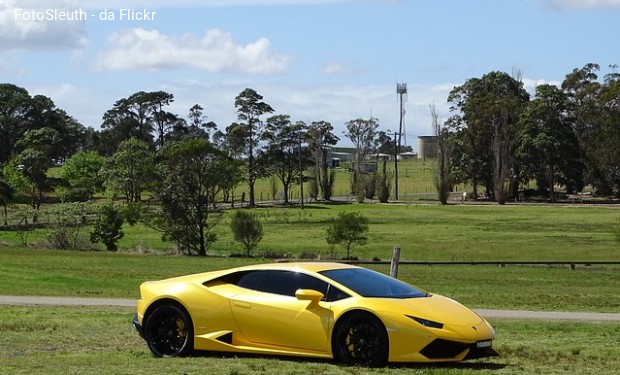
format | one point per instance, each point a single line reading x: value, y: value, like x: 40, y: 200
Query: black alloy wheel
x: 361, y: 339
x: 169, y: 332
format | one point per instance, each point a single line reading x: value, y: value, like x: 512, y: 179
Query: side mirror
x: 309, y: 295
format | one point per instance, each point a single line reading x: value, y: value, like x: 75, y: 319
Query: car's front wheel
x: 169, y: 332
x: 360, y: 339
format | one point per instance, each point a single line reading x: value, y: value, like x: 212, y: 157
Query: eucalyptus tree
x: 443, y: 176
x: 583, y: 89
x: 191, y: 172
x: 547, y: 145
x: 485, y: 114
x: 198, y: 123
x: 231, y: 142
x: 608, y: 155
x: 130, y: 170
x: 596, y: 111
x: 321, y: 138
x: 33, y: 164
x: 286, y: 157
x: 138, y: 116
x: 250, y: 107
x: 362, y: 134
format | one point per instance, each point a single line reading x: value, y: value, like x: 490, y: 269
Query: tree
x: 283, y: 150
x: 596, y: 113
x: 15, y: 107
x: 486, y: 112
x: 547, y: 144
x: 190, y: 174
x: 198, y: 121
x: 130, y: 170
x: 34, y: 165
x: 608, y: 156
x: 362, y: 134
x: 348, y: 229
x: 137, y: 116
x: 107, y: 227
x: 250, y: 107
x: 443, y: 177
x: 6, y: 196
x: 81, y: 177
x: 320, y: 137
x: 246, y: 229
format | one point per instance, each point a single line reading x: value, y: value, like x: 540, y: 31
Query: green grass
x: 424, y: 232
x: 61, y: 340
x: 54, y: 340
x: 95, y: 274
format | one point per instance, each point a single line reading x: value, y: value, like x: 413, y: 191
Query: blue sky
x: 332, y: 60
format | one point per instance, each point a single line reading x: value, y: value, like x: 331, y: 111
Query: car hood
x: 434, y: 307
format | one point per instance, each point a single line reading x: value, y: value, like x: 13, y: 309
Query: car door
x: 272, y: 315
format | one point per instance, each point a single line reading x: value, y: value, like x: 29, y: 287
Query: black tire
x: 169, y: 332
x: 360, y: 339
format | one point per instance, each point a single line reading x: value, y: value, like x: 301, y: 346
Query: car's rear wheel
x: 169, y: 332
x: 360, y: 339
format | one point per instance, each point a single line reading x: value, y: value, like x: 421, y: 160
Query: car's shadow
x: 473, y: 365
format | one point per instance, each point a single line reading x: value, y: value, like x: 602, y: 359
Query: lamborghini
x: 315, y: 310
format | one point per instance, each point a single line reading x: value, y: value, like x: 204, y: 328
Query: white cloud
x: 583, y: 4
x: 19, y: 31
x: 216, y: 51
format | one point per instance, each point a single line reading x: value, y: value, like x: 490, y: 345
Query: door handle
x: 243, y: 305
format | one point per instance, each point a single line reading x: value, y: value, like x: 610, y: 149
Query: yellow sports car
x: 322, y: 310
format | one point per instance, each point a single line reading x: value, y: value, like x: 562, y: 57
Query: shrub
x: 246, y: 229
x: 348, y: 229
x: 107, y: 228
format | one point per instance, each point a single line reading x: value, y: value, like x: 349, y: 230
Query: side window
x: 283, y: 283
x: 246, y: 279
x: 250, y: 280
x: 287, y: 282
x: 335, y: 294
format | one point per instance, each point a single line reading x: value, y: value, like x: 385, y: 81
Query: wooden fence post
x: 395, y: 262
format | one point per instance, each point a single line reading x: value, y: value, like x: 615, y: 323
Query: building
x: 427, y: 147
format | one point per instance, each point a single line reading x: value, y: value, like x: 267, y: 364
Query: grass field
x: 95, y: 274
x: 424, y: 231
x: 63, y: 340
x: 53, y: 340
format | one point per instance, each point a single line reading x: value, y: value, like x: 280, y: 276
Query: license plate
x: 484, y: 344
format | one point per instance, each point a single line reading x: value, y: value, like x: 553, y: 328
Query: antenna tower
x: 401, y: 92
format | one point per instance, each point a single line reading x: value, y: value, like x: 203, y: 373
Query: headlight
x: 426, y: 322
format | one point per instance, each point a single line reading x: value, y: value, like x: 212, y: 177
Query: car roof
x: 306, y: 266
x: 309, y: 267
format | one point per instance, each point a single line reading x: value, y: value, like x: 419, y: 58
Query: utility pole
x: 301, y: 173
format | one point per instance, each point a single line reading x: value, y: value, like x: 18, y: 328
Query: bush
x: 107, y: 228
x: 246, y: 229
x: 348, y: 229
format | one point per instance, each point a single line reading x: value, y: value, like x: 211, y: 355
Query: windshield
x: 369, y: 283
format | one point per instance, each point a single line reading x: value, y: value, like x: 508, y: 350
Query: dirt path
x: 129, y: 303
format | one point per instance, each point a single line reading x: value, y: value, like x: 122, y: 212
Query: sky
x: 314, y: 60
